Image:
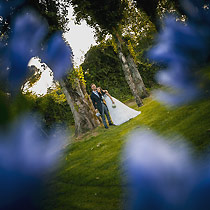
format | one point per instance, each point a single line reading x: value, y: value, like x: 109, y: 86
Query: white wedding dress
x: 121, y: 113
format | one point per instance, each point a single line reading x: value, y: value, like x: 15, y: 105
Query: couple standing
x: 115, y: 111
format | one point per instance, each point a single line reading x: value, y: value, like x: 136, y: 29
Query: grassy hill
x: 90, y: 174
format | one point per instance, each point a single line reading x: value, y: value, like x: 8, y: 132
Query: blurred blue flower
x: 6, y: 6
x: 162, y: 175
x: 26, y: 41
x: 27, y: 153
x: 26, y: 156
x: 28, y: 32
x: 58, y: 56
x: 184, y: 48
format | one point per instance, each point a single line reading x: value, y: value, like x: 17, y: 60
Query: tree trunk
x: 129, y: 79
x: 137, y: 77
x: 81, y: 106
x: 132, y: 74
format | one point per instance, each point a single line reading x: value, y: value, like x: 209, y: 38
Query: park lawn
x: 90, y: 175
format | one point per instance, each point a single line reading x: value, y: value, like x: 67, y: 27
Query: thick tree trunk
x: 137, y: 77
x: 81, y: 106
x: 129, y: 79
x: 132, y: 74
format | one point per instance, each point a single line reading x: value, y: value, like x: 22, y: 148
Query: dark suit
x: 99, y: 104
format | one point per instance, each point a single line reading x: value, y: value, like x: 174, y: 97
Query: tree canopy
x: 102, y: 15
x: 53, y: 11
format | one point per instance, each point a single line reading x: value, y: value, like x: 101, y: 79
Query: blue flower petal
x: 58, y: 56
x: 28, y: 33
x: 160, y: 172
x: 184, y: 48
x: 26, y: 156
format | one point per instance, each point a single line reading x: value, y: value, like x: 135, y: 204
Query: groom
x: 99, y: 105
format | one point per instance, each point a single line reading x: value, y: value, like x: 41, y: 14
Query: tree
x: 138, y: 33
x: 52, y: 107
x: 150, y: 7
x: 53, y: 11
x: 106, y: 17
x: 103, y: 67
x: 79, y: 101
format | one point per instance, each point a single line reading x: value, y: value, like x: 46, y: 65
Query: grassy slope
x: 90, y: 175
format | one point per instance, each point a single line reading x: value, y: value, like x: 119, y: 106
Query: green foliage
x: 131, y: 50
x: 11, y: 107
x: 145, y: 67
x: 150, y: 7
x: 155, y: 9
x: 102, y: 67
x: 132, y: 26
x: 74, y: 75
x: 102, y: 15
x: 33, y: 75
x: 81, y: 75
x: 53, y: 108
x: 55, y: 12
x: 139, y: 34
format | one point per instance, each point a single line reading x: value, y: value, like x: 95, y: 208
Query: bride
x: 120, y: 113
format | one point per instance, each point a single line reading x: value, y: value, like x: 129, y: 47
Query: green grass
x: 90, y: 174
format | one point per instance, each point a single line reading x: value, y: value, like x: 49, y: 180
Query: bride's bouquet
x: 114, y: 105
x: 98, y: 114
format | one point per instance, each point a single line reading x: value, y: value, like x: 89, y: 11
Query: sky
x: 80, y: 38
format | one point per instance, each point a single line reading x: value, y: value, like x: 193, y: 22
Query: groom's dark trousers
x: 104, y: 112
x: 102, y: 108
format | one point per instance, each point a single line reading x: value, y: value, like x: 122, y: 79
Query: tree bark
x: 132, y: 74
x: 129, y: 79
x: 141, y: 89
x: 81, y: 106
